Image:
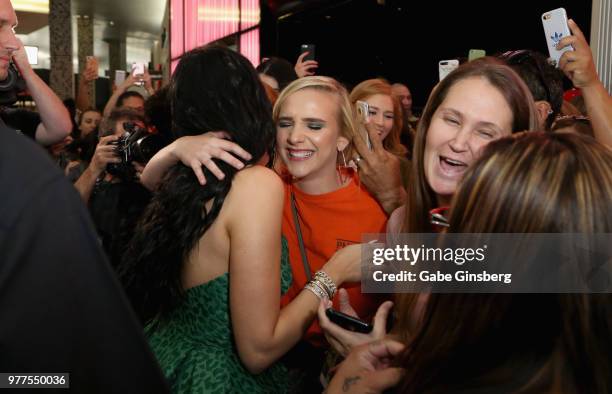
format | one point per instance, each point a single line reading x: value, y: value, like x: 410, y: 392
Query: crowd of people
x: 191, y: 238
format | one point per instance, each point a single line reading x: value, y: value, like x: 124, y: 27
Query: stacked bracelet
x: 329, y: 284
x: 316, y: 289
x: 322, y: 285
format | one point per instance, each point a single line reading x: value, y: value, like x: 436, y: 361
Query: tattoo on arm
x: 348, y: 382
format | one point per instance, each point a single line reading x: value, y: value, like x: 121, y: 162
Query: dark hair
x: 108, y: 125
x: 213, y: 88
x: 579, y: 124
x: 511, y: 343
x: 126, y: 95
x: 279, y: 69
x: 543, y: 80
x: 70, y: 105
x: 158, y: 113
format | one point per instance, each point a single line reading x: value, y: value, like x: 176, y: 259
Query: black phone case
x: 310, y: 48
x: 348, y: 322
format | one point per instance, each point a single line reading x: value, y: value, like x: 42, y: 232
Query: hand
x: 90, y: 72
x: 578, y: 64
x: 104, y: 154
x: 20, y: 58
x: 197, y: 151
x: 146, y: 77
x: 368, y: 369
x: 343, y: 340
x: 303, y: 68
x: 380, y: 171
x: 129, y: 81
x: 345, y: 265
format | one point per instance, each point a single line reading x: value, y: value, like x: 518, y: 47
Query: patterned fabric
x: 195, y: 345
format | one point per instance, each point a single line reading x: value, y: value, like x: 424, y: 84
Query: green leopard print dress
x: 195, y: 345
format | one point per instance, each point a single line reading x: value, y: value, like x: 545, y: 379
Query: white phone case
x: 555, y: 28
x: 119, y: 77
x: 445, y: 67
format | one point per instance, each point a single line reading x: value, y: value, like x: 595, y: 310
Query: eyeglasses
x: 522, y: 56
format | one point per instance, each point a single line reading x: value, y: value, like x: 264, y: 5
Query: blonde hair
x: 372, y: 87
x: 346, y: 121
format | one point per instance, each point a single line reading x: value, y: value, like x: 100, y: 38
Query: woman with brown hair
x: 481, y: 101
x: 513, y: 343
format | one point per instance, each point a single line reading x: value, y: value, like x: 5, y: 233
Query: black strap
x: 298, y: 229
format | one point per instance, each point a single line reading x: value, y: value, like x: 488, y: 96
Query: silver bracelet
x: 316, y: 289
x: 328, y: 282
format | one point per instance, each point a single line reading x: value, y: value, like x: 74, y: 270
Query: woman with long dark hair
x: 207, y: 266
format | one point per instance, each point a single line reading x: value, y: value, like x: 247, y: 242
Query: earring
x: 343, y: 158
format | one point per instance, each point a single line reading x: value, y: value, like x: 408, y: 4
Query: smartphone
x: 310, y: 48
x: 348, y: 322
x: 138, y: 69
x: 474, y: 54
x: 363, y: 111
x: 445, y: 67
x: 119, y: 77
x: 556, y: 28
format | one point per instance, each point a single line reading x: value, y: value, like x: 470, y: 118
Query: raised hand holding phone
x: 363, y: 113
x: 306, y: 63
x: 555, y: 29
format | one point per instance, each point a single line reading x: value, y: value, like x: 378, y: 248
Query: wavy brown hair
x: 520, y: 343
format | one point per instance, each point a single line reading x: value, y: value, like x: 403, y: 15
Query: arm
x: 104, y: 154
x: 147, y: 82
x: 89, y: 74
x: 255, y: 272
x: 578, y: 65
x: 194, y: 152
x: 380, y: 171
x: 112, y: 101
x: 368, y: 369
x: 55, y: 122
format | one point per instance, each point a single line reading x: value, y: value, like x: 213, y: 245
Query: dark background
x: 403, y: 41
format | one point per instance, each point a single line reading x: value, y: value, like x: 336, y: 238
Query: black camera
x: 136, y: 144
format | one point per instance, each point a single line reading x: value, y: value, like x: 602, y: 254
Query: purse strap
x: 298, y: 229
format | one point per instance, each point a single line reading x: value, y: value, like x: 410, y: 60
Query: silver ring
x: 357, y: 160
